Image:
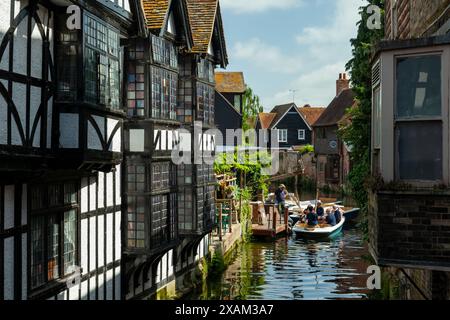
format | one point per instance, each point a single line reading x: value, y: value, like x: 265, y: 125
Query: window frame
x: 46, y: 212
x: 302, y: 135
x: 283, y: 138
x: 387, y: 162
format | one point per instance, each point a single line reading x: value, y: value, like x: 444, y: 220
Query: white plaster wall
x: 9, y: 207
x: 101, y: 286
x: 109, y: 285
x: 118, y: 242
x: 84, y: 195
x: 3, y: 120
x: 101, y: 190
x: 20, y: 45
x: 74, y: 293
x: 117, y: 139
x: 84, y: 245
x: 92, y: 286
x: 118, y: 179
x: 69, y: 131
x: 8, y: 265
x: 92, y: 194
x: 101, y: 241
x: 5, y: 17
x: 109, y: 238
x: 92, y: 244
x: 84, y: 290
x: 19, y: 97
x: 94, y: 141
x: 35, y: 102
x: 117, y: 278
x: 109, y: 190
x: 36, y: 50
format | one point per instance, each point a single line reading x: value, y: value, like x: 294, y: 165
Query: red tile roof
x: 230, y: 82
x: 311, y: 114
x: 266, y: 119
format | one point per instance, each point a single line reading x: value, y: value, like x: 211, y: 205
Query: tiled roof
x: 202, y: 15
x: 155, y: 12
x: 266, y: 119
x: 311, y: 114
x: 334, y: 113
x: 230, y: 82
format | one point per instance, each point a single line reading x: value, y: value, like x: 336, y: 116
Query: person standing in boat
x: 337, y: 214
x: 280, y: 199
x: 320, y: 211
x: 330, y: 219
x: 312, y: 219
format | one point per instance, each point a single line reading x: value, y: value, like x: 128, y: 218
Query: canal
x: 293, y: 269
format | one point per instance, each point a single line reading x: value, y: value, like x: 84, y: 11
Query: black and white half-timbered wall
x: 61, y: 120
x: 170, y: 85
x: 91, y: 204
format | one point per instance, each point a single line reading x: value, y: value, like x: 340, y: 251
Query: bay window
x: 102, y: 56
x: 205, y: 70
x: 410, y: 117
x: 164, y: 90
x: 418, y: 118
x: 205, y: 103
x: 136, y: 79
x: 136, y: 221
x: 53, y: 232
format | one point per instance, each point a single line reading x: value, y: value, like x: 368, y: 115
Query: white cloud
x: 265, y: 56
x: 326, y: 49
x: 250, y: 6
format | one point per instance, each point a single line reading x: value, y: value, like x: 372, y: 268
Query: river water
x: 294, y: 269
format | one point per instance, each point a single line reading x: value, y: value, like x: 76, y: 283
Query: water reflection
x: 292, y: 269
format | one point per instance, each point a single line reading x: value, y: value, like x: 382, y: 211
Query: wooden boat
x: 319, y: 232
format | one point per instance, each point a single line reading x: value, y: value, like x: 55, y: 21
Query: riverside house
x: 409, y: 214
x: 91, y: 205
x: 333, y: 155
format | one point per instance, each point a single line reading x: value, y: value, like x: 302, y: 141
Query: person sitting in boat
x: 280, y: 199
x: 312, y: 219
x: 330, y: 219
x: 320, y: 211
x: 337, y: 214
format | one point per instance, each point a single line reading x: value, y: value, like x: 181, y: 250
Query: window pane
x: 53, y: 247
x: 70, y: 236
x: 37, y: 252
x: 418, y: 158
x: 419, y: 86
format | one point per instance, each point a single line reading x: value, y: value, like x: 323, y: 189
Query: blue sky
x: 284, y: 45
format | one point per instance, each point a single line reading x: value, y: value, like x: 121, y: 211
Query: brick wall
x: 410, y: 228
x: 414, y: 17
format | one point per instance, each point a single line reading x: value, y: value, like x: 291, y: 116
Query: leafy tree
x: 251, y: 107
x: 357, y: 133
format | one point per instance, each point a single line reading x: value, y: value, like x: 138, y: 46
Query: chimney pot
x: 342, y: 83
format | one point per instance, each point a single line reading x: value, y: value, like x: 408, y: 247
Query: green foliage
x: 306, y: 149
x: 251, y: 107
x: 251, y: 165
x: 357, y: 134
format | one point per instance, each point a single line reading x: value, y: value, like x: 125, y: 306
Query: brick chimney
x: 342, y: 83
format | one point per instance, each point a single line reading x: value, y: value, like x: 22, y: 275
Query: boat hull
x: 319, y: 233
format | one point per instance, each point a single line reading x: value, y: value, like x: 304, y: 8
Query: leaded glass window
x: 53, y: 225
x: 160, y: 219
x: 164, y: 52
x: 164, y: 93
x: 136, y: 222
x: 136, y: 178
x: 102, y: 67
